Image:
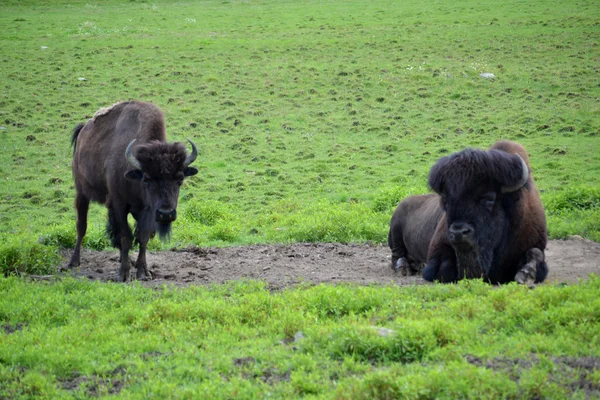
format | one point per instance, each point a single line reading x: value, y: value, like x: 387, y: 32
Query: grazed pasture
x: 314, y: 118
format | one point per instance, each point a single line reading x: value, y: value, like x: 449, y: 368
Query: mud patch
x: 283, y: 266
x: 8, y: 328
x: 94, y: 385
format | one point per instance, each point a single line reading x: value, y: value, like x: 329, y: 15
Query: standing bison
x: 486, y: 220
x: 121, y: 159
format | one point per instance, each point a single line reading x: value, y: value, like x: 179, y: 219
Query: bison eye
x: 488, y: 200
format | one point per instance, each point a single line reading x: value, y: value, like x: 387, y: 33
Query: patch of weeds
x: 572, y: 199
x: 388, y: 198
x: 60, y: 235
x: 327, y: 221
x: 205, y: 212
x: 407, y: 344
x: 225, y: 231
x: 22, y: 255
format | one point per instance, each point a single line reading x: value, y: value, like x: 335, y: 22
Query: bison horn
x: 130, y: 157
x: 522, y: 181
x: 190, y: 159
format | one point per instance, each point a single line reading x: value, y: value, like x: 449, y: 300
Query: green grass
x: 74, y: 338
x: 300, y: 107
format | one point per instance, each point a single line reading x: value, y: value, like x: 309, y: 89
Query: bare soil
x: 287, y: 265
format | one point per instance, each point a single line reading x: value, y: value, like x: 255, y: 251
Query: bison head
x: 478, y: 191
x: 161, y: 167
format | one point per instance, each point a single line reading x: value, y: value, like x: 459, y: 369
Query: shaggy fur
x: 470, y: 168
x: 102, y: 174
x: 471, y: 228
x: 496, y: 231
x: 161, y: 160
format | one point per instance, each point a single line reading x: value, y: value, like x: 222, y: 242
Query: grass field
x: 313, y: 119
x: 84, y: 339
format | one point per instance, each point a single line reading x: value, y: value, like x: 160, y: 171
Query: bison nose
x: 460, y: 231
x: 163, y: 215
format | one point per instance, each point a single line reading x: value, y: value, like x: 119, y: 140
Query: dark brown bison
x: 486, y: 220
x: 121, y: 159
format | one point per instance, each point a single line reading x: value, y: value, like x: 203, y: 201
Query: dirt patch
x: 94, y: 385
x: 8, y: 328
x: 282, y: 266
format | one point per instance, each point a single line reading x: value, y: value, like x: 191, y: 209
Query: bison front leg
x: 141, y: 266
x: 535, y: 268
x: 144, y: 234
x: 441, y: 270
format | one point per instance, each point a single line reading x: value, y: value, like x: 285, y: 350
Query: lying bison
x: 486, y: 220
x: 121, y: 159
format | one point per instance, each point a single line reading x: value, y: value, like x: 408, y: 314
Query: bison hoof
x: 402, y: 266
x: 144, y: 277
x: 142, y: 274
x: 525, y: 275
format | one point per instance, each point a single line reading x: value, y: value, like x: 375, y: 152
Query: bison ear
x: 190, y: 171
x: 134, y: 175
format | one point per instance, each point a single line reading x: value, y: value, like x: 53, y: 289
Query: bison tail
x: 76, y: 131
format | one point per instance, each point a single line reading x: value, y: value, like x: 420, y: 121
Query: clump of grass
x: 62, y: 235
x: 578, y: 198
x: 573, y: 210
x: 65, y: 235
x: 208, y: 212
x: 409, y: 343
x: 326, y: 221
x: 20, y: 254
x: 388, y: 198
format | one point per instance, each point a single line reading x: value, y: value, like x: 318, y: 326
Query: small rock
x: 580, y: 238
x: 384, y: 332
x: 487, y: 75
x: 81, y: 79
x: 298, y: 336
x: 44, y: 47
x: 266, y: 268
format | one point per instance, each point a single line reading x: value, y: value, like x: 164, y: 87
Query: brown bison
x: 486, y: 220
x: 121, y: 159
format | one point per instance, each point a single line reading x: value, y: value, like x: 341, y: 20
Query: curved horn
x: 190, y: 159
x: 522, y: 181
x: 130, y: 158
